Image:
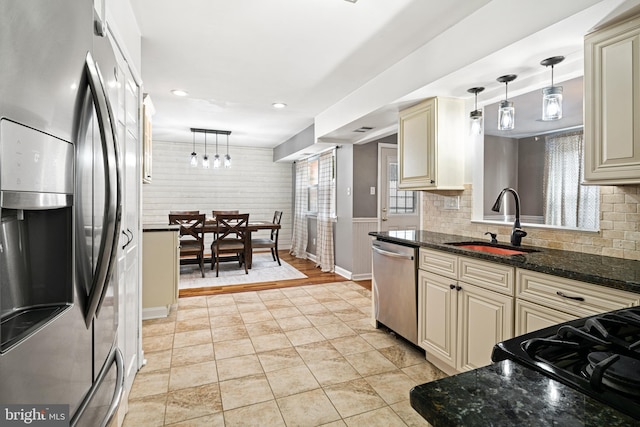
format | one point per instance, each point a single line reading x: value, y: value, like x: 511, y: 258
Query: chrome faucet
x: 517, y: 233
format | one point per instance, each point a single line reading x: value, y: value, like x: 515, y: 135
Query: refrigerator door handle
x: 112, y: 191
x: 114, y: 357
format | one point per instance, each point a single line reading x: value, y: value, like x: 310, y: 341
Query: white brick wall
x: 254, y: 184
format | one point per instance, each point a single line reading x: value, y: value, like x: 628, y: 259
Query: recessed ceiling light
x: 279, y: 105
x: 179, y: 92
x: 351, y: 1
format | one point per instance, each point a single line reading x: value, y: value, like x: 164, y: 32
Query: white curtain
x: 299, y: 236
x: 324, y: 248
x: 568, y: 203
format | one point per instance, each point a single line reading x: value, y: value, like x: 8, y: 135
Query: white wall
x: 254, y: 185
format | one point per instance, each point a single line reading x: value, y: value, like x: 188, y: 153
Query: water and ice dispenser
x: 36, y: 239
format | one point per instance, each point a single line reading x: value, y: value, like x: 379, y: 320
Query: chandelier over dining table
x: 216, y: 158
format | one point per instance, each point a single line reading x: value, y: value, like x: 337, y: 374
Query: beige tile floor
x: 304, y: 356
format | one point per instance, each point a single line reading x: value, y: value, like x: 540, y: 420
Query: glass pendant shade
x: 506, y: 112
x: 227, y: 157
x: 476, y: 122
x: 506, y: 116
x: 552, y: 95
x: 216, y: 161
x: 475, y: 117
x: 552, y: 103
x: 194, y: 160
x: 205, y: 162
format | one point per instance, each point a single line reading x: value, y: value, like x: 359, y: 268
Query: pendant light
x: 194, y: 156
x: 227, y: 157
x: 205, y: 159
x: 476, y: 115
x: 506, y: 112
x: 552, y: 95
x: 216, y: 158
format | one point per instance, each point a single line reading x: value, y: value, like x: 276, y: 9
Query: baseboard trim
x: 155, y: 312
x: 343, y: 272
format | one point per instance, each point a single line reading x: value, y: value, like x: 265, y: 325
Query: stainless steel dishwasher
x: 395, y: 288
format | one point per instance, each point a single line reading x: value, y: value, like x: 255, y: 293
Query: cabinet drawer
x: 488, y: 275
x: 571, y: 296
x: 439, y: 262
x: 531, y: 317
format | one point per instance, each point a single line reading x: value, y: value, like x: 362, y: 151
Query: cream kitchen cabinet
x: 612, y: 104
x: 465, y: 306
x: 544, y: 300
x: 430, y: 141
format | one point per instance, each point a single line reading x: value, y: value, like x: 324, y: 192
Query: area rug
x: 264, y: 269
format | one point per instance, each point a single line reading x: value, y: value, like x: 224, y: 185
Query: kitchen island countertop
x: 509, y: 394
x: 612, y: 272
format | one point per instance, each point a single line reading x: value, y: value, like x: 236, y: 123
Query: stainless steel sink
x: 493, y: 248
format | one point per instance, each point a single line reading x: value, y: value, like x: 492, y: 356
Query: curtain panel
x: 566, y: 202
x: 324, y: 248
x: 300, y: 234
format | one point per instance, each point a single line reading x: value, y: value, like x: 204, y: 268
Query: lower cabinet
x: 160, y: 272
x: 544, y: 300
x: 467, y: 305
x: 459, y: 322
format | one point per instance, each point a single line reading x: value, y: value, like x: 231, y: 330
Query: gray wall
x: 344, y: 207
x: 365, y: 176
x: 531, y: 175
x: 500, y: 171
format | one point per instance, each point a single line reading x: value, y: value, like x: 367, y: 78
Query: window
x: 314, y: 184
x: 400, y: 201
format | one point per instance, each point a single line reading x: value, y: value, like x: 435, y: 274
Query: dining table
x: 210, y: 226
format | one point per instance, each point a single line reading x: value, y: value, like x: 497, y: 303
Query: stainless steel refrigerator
x: 60, y: 213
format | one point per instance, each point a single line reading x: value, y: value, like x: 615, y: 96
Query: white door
x: 398, y: 209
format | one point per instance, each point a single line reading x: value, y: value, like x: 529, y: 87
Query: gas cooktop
x: 597, y: 355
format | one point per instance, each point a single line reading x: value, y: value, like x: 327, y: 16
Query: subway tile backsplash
x: 619, y: 234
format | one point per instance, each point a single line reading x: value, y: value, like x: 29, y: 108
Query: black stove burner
x: 597, y: 355
x: 618, y: 372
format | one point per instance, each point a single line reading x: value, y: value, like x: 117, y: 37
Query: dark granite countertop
x: 509, y: 394
x: 606, y: 271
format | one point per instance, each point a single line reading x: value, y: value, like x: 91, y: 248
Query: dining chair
x: 184, y: 212
x: 269, y: 242
x: 191, y: 238
x: 231, y: 237
x: 215, y: 212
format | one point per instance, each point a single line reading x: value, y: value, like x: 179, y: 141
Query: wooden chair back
x: 277, y: 217
x: 231, y: 237
x: 191, y: 237
x: 184, y: 212
x: 215, y: 212
x: 231, y: 226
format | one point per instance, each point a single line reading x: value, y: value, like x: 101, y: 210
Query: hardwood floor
x: 315, y: 277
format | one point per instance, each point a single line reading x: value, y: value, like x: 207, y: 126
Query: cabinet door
x: 531, y: 317
x: 437, y: 316
x: 612, y: 105
x: 416, y: 140
x: 484, y: 319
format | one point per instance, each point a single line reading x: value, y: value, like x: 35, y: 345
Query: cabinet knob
x: 452, y: 287
x: 458, y: 288
x: 433, y: 181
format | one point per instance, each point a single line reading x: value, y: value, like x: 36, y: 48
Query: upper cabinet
x: 431, y: 138
x: 612, y: 104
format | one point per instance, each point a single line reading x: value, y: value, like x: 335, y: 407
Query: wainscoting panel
x: 362, y: 247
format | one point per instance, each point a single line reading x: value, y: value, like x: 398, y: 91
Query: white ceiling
x: 235, y: 58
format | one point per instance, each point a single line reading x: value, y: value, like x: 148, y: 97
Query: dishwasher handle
x: 392, y: 254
